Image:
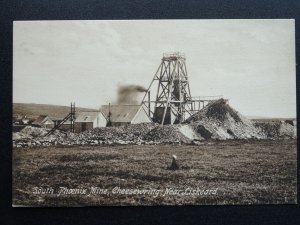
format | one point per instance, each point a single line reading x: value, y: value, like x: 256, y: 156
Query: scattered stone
x: 166, y: 134
x: 216, y: 121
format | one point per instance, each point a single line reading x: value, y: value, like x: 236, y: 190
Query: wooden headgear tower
x: 173, y: 96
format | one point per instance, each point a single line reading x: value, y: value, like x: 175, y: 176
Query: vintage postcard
x: 154, y: 112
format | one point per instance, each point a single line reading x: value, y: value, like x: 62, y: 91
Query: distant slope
x: 32, y: 110
x: 261, y: 118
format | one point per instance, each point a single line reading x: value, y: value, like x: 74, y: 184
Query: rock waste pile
x: 217, y: 120
x: 35, y: 136
x: 167, y: 134
x: 128, y: 134
x: 278, y: 129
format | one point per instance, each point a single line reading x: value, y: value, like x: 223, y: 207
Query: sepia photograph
x: 154, y: 112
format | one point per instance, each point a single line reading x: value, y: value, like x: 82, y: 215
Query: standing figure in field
x: 174, y: 165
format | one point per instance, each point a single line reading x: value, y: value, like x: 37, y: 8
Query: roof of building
x: 120, y: 113
x: 41, y: 119
x: 56, y: 118
x: 87, y: 116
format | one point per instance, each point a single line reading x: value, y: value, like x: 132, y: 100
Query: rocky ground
x: 217, y: 121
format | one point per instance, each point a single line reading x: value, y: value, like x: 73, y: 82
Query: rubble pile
x: 33, y: 132
x: 167, y: 134
x: 128, y: 134
x: 35, y: 136
x: 277, y: 129
x: 218, y: 120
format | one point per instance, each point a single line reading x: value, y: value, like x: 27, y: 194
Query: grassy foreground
x: 228, y: 172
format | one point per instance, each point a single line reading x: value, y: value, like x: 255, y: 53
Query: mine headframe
x: 173, y: 102
x: 173, y: 97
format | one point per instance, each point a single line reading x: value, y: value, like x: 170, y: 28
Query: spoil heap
x: 29, y: 132
x: 219, y: 121
x: 130, y: 134
x: 168, y: 134
x: 35, y: 136
x: 277, y: 129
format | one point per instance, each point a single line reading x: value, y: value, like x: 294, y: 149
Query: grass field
x: 240, y: 172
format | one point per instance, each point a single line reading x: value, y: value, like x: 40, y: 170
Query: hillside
x: 271, y: 119
x: 33, y: 110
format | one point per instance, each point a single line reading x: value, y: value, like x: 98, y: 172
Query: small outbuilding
x: 43, y: 121
x: 125, y: 114
x: 89, y: 120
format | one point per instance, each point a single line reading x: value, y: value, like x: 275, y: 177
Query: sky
x: 250, y: 62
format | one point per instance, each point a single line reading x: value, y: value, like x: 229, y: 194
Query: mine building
x: 118, y: 115
x: 43, y: 121
x: 89, y: 120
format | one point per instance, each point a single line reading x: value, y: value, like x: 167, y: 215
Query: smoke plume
x: 128, y: 94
